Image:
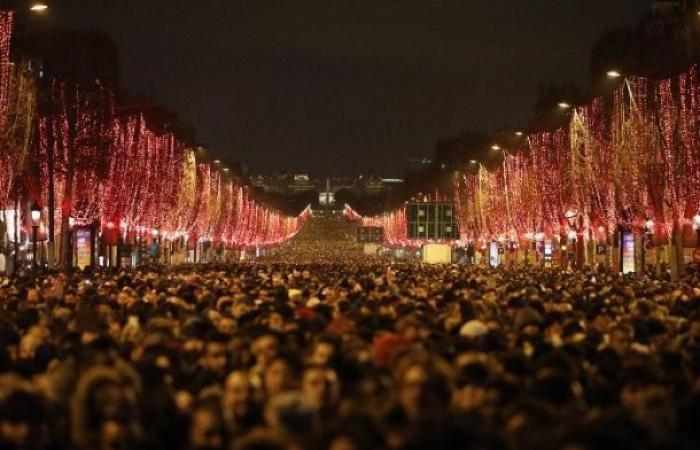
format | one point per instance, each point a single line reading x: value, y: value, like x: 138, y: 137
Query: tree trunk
x: 67, y: 206
x: 51, y: 195
x: 15, y: 261
x: 65, y: 221
x: 677, y: 261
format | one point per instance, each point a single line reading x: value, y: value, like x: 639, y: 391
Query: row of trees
x: 626, y: 161
x: 393, y: 223
x: 73, y: 144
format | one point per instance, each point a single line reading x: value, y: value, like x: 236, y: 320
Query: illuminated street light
x: 39, y: 7
x: 614, y: 74
x: 563, y: 105
x: 519, y: 133
x: 474, y: 162
x: 36, y: 221
x: 226, y: 169
x: 216, y: 161
x: 496, y: 148
x: 36, y: 215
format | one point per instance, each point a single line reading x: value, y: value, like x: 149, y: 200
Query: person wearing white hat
x: 473, y: 329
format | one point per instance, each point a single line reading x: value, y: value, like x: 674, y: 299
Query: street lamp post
x: 36, y: 220
x: 480, y: 172
x: 646, y: 237
x: 572, y: 217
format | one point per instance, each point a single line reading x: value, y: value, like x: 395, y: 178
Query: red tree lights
x: 6, y: 163
x: 93, y: 162
x: 5, y: 67
x: 629, y: 161
x: 394, y: 224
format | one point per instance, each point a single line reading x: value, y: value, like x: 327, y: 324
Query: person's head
x: 291, y: 413
x: 103, y: 411
x: 264, y: 348
x: 423, y: 386
x: 620, y: 338
x: 320, y: 385
x: 280, y: 375
x: 226, y: 325
x: 28, y: 345
x: 206, y: 427
x: 214, y: 356
x: 22, y: 416
x: 411, y: 385
x: 473, y: 390
x: 9, y: 338
x: 322, y: 352
x: 275, y: 321
x: 237, y: 397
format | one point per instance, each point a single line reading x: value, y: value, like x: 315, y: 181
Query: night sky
x: 339, y: 87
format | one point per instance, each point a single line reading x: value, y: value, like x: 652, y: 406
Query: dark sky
x: 341, y: 86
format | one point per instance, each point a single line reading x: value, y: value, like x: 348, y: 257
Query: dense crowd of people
x: 324, y: 239
x: 348, y: 356
x: 348, y: 353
